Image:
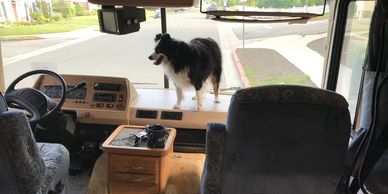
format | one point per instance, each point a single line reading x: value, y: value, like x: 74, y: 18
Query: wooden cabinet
x: 137, y: 169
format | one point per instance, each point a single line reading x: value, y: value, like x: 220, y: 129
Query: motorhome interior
x: 303, y: 98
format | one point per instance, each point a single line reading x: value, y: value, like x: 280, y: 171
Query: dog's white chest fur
x: 180, y: 79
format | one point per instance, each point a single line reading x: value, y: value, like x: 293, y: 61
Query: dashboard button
x: 87, y: 114
x: 100, y: 105
x: 121, y: 98
x: 109, y: 105
x: 120, y: 106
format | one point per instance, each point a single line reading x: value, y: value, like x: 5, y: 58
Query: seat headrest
x: 290, y: 94
x: 3, y: 103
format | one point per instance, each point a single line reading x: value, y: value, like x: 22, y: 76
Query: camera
x: 120, y: 20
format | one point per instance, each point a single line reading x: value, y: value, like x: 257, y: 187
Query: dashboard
x: 114, y: 101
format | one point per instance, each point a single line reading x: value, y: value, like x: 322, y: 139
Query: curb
x: 240, y: 69
x: 21, y: 37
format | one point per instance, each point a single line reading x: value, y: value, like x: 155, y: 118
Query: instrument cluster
x: 88, y: 92
x: 55, y: 91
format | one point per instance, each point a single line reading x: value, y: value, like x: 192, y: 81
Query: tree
x: 44, y: 8
x: 62, y: 7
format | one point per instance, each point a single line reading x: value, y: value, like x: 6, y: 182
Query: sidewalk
x: 81, y: 33
x: 292, y: 47
x: 56, y: 41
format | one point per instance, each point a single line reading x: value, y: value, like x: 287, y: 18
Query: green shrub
x: 93, y: 12
x: 39, y: 18
x: 6, y: 23
x: 56, y: 17
x: 79, y: 10
x: 23, y: 23
x: 63, y: 7
x: 70, y: 12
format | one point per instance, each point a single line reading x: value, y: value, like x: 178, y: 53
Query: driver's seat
x: 26, y: 166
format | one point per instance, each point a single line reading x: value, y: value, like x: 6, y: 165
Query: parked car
x: 179, y: 9
x: 211, y: 7
x: 157, y: 13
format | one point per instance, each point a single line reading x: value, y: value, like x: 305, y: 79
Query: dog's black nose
x: 150, y: 57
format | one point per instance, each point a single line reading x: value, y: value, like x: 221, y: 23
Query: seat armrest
x: 211, y: 175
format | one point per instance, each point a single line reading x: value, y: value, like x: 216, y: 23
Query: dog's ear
x: 158, y: 36
x: 166, y: 36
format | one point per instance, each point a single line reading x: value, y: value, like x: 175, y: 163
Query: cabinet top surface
x: 122, y: 141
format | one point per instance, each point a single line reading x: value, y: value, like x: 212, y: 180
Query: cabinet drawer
x: 134, y: 164
x: 134, y: 178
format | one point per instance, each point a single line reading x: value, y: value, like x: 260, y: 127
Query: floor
x: 78, y: 184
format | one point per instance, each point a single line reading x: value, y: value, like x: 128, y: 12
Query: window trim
x: 335, y: 51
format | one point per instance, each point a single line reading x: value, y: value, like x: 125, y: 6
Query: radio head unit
x: 104, y: 97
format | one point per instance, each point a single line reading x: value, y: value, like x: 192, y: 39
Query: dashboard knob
x: 88, y: 114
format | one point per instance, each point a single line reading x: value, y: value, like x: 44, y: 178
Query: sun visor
x: 143, y: 3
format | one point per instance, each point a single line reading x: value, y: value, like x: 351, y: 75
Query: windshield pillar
x: 163, y: 20
x: 2, y: 82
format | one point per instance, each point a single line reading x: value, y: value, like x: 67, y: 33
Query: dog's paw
x: 177, y: 106
x: 194, y: 98
x: 199, y: 108
x: 217, y: 100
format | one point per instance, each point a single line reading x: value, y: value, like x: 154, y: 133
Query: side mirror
x: 263, y: 11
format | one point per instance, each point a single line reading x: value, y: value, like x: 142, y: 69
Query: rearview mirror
x: 263, y: 10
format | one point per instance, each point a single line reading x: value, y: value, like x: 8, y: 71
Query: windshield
x: 65, y: 37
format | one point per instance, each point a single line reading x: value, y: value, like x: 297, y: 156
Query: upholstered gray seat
x: 25, y: 166
x: 278, y: 139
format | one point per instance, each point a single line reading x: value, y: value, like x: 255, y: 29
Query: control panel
x: 114, y: 101
x: 96, y: 92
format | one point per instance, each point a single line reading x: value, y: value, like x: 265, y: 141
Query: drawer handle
x: 137, y: 167
x: 129, y: 179
x: 138, y: 179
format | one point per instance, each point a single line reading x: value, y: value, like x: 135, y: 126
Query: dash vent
x: 171, y: 115
x: 146, y: 114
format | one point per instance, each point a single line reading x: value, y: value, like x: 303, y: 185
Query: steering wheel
x: 35, y: 102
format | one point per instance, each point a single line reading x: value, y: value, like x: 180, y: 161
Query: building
x: 21, y: 10
x: 16, y: 10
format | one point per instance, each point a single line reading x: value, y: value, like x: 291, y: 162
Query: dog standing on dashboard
x: 189, y: 65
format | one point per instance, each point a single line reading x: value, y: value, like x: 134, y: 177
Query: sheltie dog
x: 189, y: 64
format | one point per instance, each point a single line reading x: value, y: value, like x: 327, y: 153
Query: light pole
x: 305, y: 7
x: 243, y: 4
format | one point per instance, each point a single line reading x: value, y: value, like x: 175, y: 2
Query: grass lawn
x: 64, y: 25
x: 275, y: 80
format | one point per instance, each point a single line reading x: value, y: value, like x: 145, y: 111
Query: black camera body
x: 120, y: 20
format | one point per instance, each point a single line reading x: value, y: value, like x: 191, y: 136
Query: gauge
x: 78, y: 94
x: 52, y: 91
x: 55, y: 91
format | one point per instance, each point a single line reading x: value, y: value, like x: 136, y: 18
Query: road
x: 112, y: 55
x: 126, y: 55
x: 257, y: 31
